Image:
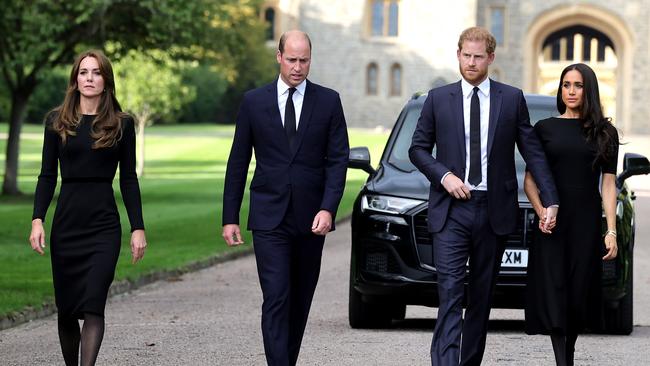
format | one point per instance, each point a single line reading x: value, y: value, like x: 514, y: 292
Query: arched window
x: 384, y: 18
x: 577, y: 43
x: 372, y: 72
x: 269, y: 18
x: 396, y: 80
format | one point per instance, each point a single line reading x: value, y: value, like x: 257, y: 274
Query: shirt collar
x: 283, y: 87
x: 484, y: 87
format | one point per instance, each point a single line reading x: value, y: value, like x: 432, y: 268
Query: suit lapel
x: 275, y: 119
x: 495, y: 110
x: 308, y: 103
x: 459, y: 118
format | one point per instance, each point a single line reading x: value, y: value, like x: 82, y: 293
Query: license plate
x: 515, y: 258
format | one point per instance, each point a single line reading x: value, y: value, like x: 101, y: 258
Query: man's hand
x: 232, y: 235
x: 549, y: 219
x: 456, y: 187
x: 322, y: 223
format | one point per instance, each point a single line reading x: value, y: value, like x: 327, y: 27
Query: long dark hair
x: 596, y: 126
x: 106, y: 128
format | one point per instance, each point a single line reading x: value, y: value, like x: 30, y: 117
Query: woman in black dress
x: 564, y: 273
x: 89, y: 136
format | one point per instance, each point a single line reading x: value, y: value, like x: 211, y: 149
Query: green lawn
x: 181, y: 194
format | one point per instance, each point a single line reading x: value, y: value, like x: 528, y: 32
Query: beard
x: 475, y: 77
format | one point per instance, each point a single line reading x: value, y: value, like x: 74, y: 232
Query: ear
x: 490, y: 58
x: 278, y: 56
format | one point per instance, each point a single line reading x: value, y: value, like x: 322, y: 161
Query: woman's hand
x: 611, y: 246
x: 541, y: 214
x: 138, y: 245
x: 37, y: 236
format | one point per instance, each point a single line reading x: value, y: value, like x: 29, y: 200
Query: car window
x: 399, y: 157
x: 399, y: 154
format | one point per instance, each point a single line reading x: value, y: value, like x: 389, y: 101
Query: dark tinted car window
x: 399, y: 157
x: 399, y: 154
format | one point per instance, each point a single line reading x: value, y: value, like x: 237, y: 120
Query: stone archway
x: 616, y: 87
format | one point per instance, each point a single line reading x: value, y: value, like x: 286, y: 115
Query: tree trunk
x: 140, y: 143
x: 18, y: 106
x: 142, y: 119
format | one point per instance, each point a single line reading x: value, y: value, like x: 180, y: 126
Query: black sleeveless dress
x: 564, y: 269
x: 86, y: 231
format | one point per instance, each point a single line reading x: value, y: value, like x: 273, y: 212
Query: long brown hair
x: 596, y: 126
x: 106, y: 128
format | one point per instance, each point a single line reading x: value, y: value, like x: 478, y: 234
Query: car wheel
x: 366, y: 315
x: 620, y: 320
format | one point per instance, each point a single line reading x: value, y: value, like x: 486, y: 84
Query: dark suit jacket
x: 441, y: 123
x: 312, y: 175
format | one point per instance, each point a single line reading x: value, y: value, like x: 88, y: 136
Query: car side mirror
x: 360, y: 159
x: 633, y: 164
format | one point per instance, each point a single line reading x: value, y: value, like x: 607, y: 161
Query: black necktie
x: 474, y: 177
x: 290, y: 117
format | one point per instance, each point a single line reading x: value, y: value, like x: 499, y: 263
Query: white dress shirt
x: 298, y: 97
x: 484, y: 99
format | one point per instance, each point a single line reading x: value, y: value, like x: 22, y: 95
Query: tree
x: 150, y: 87
x: 37, y: 35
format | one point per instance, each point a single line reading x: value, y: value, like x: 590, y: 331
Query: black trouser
x: 288, y: 265
x: 466, y: 234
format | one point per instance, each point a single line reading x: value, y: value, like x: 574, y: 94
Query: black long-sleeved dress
x: 86, y: 231
x: 564, y: 268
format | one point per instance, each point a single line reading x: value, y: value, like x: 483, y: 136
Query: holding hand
x: 232, y: 235
x: 456, y: 187
x: 322, y: 223
x: 138, y: 245
x: 547, y: 219
x: 37, y: 236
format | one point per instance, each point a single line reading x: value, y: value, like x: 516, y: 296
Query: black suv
x: 392, y: 259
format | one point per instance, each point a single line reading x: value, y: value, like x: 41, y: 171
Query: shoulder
x: 612, y: 131
x: 449, y: 88
x: 505, y: 89
x: 445, y: 90
x: 322, y: 91
x: 543, y: 123
x: 261, y: 92
x: 127, y: 119
x: 50, y: 117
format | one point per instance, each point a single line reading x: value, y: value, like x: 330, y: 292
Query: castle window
x: 497, y: 24
x: 396, y: 80
x: 384, y: 18
x: 371, y: 79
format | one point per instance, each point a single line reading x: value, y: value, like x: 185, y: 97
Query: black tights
x: 90, y: 338
x: 564, y: 347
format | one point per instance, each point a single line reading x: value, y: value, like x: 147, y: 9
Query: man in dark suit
x: 473, y: 204
x: 298, y: 132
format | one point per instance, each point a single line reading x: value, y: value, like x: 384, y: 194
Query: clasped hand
x: 547, y: 219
